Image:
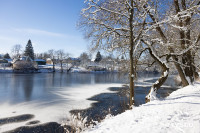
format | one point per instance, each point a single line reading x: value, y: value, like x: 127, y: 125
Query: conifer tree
x: 29, y: 50
x: 6, y: 56
x: 98, y: 57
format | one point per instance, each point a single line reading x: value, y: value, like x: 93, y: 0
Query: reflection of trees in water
x: 77, y: 78
x: 15, y: 85
x: 53, y: 79
x: 123, y: 77
x: 111, y: 78
x: 28, y: 86
x: 69, y: 79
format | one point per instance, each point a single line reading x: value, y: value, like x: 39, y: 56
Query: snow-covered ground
x: 6, y: 70
x: 178, y: 113
x: 49, y: 69
x: 79, y: 69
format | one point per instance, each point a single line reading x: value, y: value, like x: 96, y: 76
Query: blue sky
x: 50, y: 24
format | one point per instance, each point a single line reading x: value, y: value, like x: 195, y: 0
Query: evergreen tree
x: 122, y: 58
x: 98, y: 57
x: 6, y: 56
x: 29, y: 50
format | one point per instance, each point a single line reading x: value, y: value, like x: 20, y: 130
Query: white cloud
x: 42, y: 40
x: 40, y: 32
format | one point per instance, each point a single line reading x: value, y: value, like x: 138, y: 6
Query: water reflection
x: 28, y: 86
x: 17, y: 88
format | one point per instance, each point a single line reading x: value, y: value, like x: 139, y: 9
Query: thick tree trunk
x: 164, y: 38
x: 181, y: 73
x: 187, y: 58
x: 131, y: 76
x: 160, y: 81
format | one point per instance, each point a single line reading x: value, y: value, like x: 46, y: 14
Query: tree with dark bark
x: 174, y: 32
x: 114, y: 26
x: 168, y: 33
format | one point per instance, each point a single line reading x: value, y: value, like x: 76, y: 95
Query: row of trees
x: 58, y: 55
x: 29, y: 51
x: 17, y: 49
x: 166, y: 30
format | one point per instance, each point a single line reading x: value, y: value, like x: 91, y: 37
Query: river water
x: 50, y: 97
x: 16, y: 88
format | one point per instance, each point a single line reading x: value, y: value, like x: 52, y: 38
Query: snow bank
x: 178, y: 113
x: 6, y: 70
x: 79, y: 69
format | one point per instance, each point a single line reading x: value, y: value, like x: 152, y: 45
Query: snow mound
x: 178, y: 113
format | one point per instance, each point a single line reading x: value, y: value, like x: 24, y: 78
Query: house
x: 9, y: 60
x: 49, y: 61
x: 22, y: 63
x: 40, y: 62
x: 3, y: 61
x: 74, y: 61
x: 26, y: 58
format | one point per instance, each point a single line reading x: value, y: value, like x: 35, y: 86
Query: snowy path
x: 178, y: 113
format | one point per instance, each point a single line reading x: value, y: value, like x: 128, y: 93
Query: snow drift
x: 178, y: 113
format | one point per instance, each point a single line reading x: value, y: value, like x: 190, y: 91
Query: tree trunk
x: 131, y: 76
x: 178, y: 67
x: 181, y: 73
x: 61, y: 65
x: 160, y: 81
x: 187, y: 58
x: 53, y: 64
x: 164, y: 38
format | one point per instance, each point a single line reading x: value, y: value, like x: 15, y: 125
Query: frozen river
x: 50, y: 97
x: 17, y: 88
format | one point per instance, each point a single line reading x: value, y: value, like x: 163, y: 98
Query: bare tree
x: 114, y: 25
x: 169, y: 37
x: 44, y: 55
x: 16, y: 50
x: 172, y: 31
x: 61, y: 55
x: 84, y: 57
x: 135, y: 26
x: 52, y: 53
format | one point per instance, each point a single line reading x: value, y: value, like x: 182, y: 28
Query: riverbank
x: 177, y: 113
x: 49, y: 69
